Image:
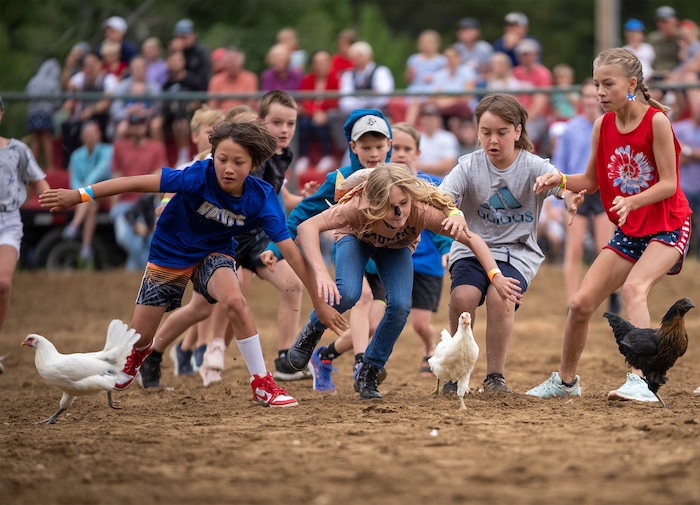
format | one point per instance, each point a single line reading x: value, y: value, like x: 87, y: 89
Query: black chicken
x: 653, y: 351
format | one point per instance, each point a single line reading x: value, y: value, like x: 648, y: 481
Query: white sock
x: 252, y: 354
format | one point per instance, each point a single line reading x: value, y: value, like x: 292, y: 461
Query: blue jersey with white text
x: 202, y: 218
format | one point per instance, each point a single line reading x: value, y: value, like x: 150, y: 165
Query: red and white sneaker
x: 266, y: 392
x: 133, y: 362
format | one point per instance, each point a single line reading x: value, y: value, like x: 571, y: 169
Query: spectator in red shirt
x: 233, y: 79
x: 340, y: 62
x: 313, y: 117
x: 534, y: 75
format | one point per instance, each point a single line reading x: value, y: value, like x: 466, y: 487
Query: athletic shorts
x: 11, y: 229
x: 469, y: 272
x: 249, y: 249
x: 375, y: 284
x: 632, y: 248
x: 165, y: 287
x: 427, y: 290
x: 592, y: 206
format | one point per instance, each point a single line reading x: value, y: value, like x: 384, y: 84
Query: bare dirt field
x: 184, y: 444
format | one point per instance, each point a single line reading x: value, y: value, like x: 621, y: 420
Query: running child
x: 634, y: 163
x: 382, y: 219
x: 193, y: 241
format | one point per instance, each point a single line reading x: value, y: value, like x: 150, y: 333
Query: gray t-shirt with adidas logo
x: 501, y: 207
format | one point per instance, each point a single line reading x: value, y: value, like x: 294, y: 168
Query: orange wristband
x: 86, y: 194
x: 492, y: 273
x: 563, y: 180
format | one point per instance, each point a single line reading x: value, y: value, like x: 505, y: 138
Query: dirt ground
x: 185, y: 444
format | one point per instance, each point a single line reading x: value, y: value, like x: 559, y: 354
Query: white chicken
x: 455, y: 357
x: 82, y: 374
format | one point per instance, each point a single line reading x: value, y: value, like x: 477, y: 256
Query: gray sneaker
x: 496, y: 383
x: 300, y: 353
x: 635, y: 388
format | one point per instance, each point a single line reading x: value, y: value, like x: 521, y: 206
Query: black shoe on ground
x: 299, y: 354
x: 149, y: 373
x: 496, y: 383
x: 449, y: 388
x: 366, y: 382
x: 284, y: 371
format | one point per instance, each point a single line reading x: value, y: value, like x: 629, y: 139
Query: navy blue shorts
x: 427, y: 290
x: 469, y: 272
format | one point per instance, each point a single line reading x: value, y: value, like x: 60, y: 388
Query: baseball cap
x: 183, y: 27
x: 116, y: 23
x: 466, y: 23
x: 634, y: 25
x: 527, y: 46
x: 368, y: 124
x: 665, y: 12
x: 516, y: 18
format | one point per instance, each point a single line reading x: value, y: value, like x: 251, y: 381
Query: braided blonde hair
x: 630, y: 66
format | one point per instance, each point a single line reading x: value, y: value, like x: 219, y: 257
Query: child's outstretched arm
x: 57, y: 200
x: 330, y: 317
x: 507, y: 287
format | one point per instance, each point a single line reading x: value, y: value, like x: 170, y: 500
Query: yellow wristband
x: 563, y: 180
x: 164, y: 201
x: 492, y: 273
x: 455, y: 212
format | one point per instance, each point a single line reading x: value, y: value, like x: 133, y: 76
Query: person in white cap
x: 115, y: 31
x: 665, y: 41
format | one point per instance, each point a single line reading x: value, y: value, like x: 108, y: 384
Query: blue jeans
x: 137, y: 247
x: 395, y: 269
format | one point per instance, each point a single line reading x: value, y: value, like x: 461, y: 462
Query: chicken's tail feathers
x: 119, y: 335
x: 619, y: 325
x: 445, y: 335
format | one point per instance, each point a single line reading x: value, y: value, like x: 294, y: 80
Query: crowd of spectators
x: 512, y: 63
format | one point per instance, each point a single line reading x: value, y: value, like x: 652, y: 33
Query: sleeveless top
x: 625, y: 165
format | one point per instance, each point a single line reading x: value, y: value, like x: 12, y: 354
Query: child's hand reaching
x: 269, y: 260
x: 454, y: 224
x: 327, y: 289
x: 57, y: 200
x: 547, y: 181
x: 573, y: 202
x: 507, y: 288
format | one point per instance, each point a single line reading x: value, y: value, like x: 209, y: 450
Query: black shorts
x: 248, y: 251
x: 469, y: 272
x: 376, y: 286
x: 592, y: 206
x: 427, y: 290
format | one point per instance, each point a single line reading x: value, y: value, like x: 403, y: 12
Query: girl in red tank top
x: 635, y: 165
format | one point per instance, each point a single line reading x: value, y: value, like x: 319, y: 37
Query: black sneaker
x: 284, y: 371
x: 366, y: 382
x: 449, y: 388
x: 149, y: 373
x: 300, y: 353
x: 496, y: 383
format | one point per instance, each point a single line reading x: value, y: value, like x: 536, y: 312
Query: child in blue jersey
x: 369, y: 139
x: 193, y: 241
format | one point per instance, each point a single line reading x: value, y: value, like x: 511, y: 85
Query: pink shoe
x: 131, y: 368
x: 266, y: 392
x: 209, y: 375
x: 214, y: 355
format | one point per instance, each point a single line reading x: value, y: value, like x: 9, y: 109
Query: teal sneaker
x: 634, y: 388
x: 553, y: 388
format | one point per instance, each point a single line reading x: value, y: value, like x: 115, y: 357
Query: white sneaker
x: 301, y: 165
x: 697, y: 391
x: 214, y: 355
x: 554, y: 388
x: 209, y: 375
x: 634, y: 388
x: 326, y: 164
